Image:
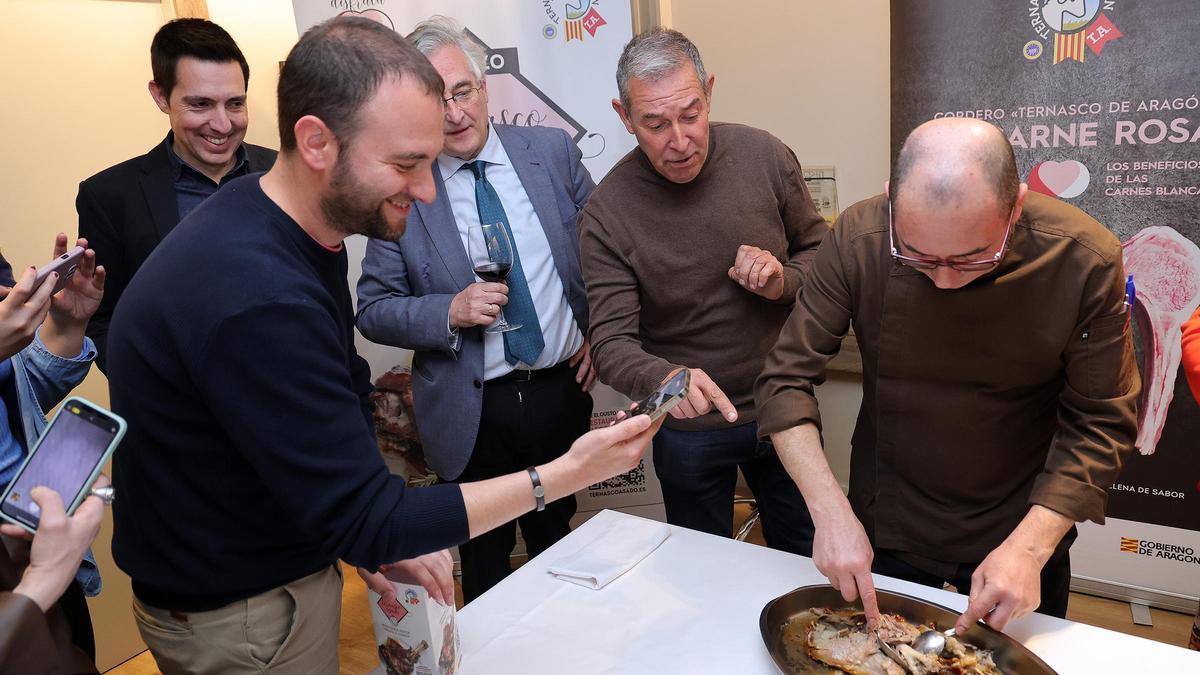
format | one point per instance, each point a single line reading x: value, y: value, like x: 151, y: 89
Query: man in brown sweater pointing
x: 693, y: 249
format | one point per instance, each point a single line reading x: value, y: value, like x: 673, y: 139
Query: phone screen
x: 64, y: 459
x: 667, y: 395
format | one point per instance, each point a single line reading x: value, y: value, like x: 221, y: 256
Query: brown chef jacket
x: 1018, y: 389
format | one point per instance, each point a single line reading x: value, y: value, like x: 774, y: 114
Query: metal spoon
x: 891, y: 653
x: 932, y: 641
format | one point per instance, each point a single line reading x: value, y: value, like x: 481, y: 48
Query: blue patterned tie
x: 526, y: 343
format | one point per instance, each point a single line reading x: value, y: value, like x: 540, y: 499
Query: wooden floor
x: 356, y: 647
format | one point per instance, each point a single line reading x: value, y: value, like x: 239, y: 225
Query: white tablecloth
x: 692, y: 606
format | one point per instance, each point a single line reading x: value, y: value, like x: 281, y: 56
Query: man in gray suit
x: 488, y: 404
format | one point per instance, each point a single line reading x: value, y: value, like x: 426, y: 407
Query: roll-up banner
x: 1101, y: 102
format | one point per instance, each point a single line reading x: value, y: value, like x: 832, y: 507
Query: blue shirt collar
x: 178, y: 166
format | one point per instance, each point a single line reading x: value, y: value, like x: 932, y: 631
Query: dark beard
x: 346, y: 212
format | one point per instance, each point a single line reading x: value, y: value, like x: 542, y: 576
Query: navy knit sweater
x: 250, y: 459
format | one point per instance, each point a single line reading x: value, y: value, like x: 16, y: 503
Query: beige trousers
x: 289, y: 629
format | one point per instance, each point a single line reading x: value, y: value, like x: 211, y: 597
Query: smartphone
x: 665, y: 397
x: 67, y: 458
x: 65, y: 265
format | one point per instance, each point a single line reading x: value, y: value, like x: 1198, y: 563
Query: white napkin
x: 614, y: 550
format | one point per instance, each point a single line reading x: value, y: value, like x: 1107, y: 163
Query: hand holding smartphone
x: 65, y: 264
x: 67, y: 458
x: 667, y: 396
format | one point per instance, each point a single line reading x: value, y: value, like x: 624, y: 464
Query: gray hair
x: 441, y: 31
x: 654, y: 55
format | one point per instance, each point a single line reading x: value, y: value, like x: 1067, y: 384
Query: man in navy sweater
x: 250, y: 466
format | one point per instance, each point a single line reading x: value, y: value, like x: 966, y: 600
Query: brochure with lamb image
x: 415, y: 635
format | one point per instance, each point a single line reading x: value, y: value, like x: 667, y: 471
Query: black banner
x: 1101, y: 101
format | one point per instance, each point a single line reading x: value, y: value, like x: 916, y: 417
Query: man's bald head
x: 954, y: 159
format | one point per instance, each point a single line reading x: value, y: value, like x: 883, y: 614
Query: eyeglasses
x: 959, y: 265
x: 465, y: 97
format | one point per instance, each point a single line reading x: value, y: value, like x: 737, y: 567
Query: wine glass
x: 491, y: 254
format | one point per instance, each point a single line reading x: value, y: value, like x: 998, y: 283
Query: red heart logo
x: 1066, y: 180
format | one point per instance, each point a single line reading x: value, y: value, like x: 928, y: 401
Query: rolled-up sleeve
x: 53, y: 376
x: 785, y: 391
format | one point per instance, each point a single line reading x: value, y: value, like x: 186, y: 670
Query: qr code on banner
x: 630, y: 479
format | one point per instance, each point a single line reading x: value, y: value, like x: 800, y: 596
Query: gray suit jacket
x: 406, y: 287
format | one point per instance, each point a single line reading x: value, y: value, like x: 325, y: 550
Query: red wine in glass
x: 491, y: 254
x: 493, y: 271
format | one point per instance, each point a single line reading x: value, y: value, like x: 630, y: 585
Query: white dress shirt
x: 559, y: 329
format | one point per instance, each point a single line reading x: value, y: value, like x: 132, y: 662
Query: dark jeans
x: 74, y: 607
x: 1056, y: 576
x: 698, y: 472
x: 522, y: 424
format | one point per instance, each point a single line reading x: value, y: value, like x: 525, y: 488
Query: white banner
x: 549, y: 64
x: 1155, y: 564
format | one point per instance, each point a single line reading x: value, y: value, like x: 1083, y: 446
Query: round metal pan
x: 1010, y: 655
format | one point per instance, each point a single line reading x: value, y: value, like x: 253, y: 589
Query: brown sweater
x: 1019, y: 388
x: 656, y: 256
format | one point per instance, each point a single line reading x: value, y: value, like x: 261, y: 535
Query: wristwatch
x: 539, y: 492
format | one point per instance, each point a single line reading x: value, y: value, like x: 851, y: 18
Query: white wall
x: 816, y: 73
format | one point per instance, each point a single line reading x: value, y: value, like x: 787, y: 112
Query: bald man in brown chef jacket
x: 999, y: 386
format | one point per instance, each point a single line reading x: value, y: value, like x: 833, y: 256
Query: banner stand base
x: 1141, y: 614
x: 1134, y: 594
